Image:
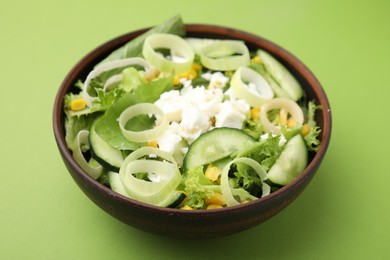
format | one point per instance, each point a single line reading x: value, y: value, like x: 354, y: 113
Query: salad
x: 190, y: 123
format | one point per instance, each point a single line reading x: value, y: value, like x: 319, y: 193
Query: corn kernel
x: 197, y: 67
x: 151, y: 75
x: 191, y: 74
x: 212, y: 172
x: 216, y: 199
x: 186, y: 207
x: 305, y: 129
x: 176, y: 80
x: 78, y: 104
x: 256, y: 60
x: 291, y: 123
x: 255, y: 113
x: 214, y: 206
x: 153, y: 143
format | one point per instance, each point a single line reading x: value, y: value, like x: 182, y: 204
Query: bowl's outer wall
x: 193, y: 224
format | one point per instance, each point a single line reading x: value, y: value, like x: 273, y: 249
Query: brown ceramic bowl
x: 202, y: 223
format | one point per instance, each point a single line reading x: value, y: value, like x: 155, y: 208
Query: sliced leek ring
x: 146, y: 135
x: 288, y: 105
x: 112, y: 80
x: 224, y: 55
x: 256, y: 96
x: 227, y: 192
x: 181, y: 52
x: 154, y: 193
x: 110, y: 66
x: 92, y: 170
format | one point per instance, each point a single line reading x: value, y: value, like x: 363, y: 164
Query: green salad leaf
x: 107, y: 126
x: 75, y: 124
x: 198, y: 187
x: 265, y: 151
x: 311, y: 139
x: 133, y: 48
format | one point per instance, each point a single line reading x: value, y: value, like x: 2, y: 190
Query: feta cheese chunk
x: 171, y: 103
x: 194, y: 123
x: 170, y: 139
x: 232, y: 114
x: 217, y: 80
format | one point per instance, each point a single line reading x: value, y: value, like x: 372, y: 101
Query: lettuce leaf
x: 75, y: 124
x: 107, y: 126
x: 198, y: 187
x: 133, y: 48
x: 311, y: 139
x: 265, y: 151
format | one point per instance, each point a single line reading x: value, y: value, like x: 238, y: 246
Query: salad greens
x: 230, y: 125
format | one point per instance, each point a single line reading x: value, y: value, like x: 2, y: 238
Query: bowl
x: 195, y: 223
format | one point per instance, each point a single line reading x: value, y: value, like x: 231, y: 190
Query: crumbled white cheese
x: 232, y: 114
x: 171, y: 103
x: 194, y: 123
x: 230, y: 94
x: 169, y: 140
x: 216, y: 80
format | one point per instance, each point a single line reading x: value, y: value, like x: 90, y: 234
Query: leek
x: 146, y: 135
x: 181, y: 53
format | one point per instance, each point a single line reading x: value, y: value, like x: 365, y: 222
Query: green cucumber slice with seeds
x: 215, y: 145
x: 291, y: 162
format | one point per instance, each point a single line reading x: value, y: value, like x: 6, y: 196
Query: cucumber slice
x: 104, y: 153
x: 291, y: 162
x: 215, y: 145
x: 285, y: 83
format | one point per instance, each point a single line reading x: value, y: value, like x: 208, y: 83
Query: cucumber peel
x: 215, y: 145
x: 291, y: 162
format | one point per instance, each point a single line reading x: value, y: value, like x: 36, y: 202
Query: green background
x: 343, y: 214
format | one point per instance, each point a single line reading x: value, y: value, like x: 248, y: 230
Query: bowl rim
x: 194, y: 28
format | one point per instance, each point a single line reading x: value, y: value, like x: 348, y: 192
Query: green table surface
x: 344, y: 212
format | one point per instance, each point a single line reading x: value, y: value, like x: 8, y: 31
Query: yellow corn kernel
x: 186, y: 207
x: 151, y: 75
x: 212, y: 172
x: 153, y: 143
x: 291, y: 123
x: 255, y: 113
x: 305, y: 129
x: 214, y: 206
x: 191, y: 74
x: 78, y: 104
x: 197, y: 67
x: 283, y: 117
x: 176, y: 80
x: 216, y: 199
x: 256, y: 59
